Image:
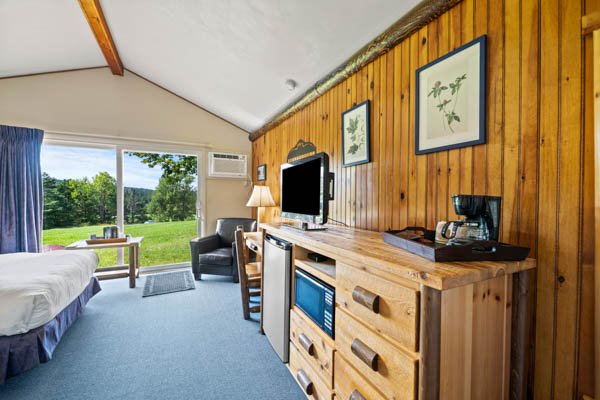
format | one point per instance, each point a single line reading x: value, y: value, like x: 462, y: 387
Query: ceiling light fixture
x: 291, y: 84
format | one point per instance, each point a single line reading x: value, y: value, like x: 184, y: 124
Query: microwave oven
x: 316, y: 299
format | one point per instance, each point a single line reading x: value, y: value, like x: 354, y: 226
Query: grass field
x: 164, y: 242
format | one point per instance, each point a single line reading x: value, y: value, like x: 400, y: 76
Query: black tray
x: 421, y: 242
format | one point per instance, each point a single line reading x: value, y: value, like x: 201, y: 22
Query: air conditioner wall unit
x: 227, y: 165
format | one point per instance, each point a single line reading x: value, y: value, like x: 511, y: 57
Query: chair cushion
x: 220, y: 256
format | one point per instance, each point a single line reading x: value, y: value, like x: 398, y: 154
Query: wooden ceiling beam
x: 95, y: 17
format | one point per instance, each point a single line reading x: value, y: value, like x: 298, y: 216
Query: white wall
x: 99, y: 103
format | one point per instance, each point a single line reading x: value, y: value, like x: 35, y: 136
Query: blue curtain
x: 21, y: 193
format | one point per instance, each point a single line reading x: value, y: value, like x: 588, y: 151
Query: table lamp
x: 261, y: 197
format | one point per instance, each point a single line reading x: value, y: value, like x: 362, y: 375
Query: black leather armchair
x: 215, y: 254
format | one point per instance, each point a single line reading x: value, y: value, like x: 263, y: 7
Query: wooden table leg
x: 132, y: 264
x: 137, y: 260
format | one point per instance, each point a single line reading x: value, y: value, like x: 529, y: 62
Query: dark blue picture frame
x: 366, y: 103
x: 482, y: 96
x: 258, y: 172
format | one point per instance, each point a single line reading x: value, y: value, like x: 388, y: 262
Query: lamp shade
x: 261, y: 197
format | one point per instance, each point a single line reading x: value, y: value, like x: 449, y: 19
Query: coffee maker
x: 481, y: 222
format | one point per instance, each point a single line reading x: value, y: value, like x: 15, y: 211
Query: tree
x: 84, y: 201
x: 174, y: 199
x: 105, y: 191
x: 58, y: 207
x: 136, y: 202
x: 172, y: 165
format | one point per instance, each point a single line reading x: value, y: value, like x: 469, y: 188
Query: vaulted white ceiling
x: 45, y: 36
x: 230, y: 57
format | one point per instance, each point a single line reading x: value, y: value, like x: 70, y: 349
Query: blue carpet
x: 185, y: 345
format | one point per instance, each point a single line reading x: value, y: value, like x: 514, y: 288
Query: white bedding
x: 35, y: 287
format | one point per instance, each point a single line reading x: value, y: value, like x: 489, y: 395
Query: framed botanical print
x: 356, y: 135
x: 261, y: 172
x: 450, y: 100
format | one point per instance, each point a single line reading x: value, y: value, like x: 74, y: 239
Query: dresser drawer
x: 307, y: 378
x: 391, y: 369
x: 387, y: 307
x: 313, y: 345
x: 349, y: 384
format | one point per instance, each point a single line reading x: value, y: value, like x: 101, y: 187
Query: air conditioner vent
x: 227, y: 165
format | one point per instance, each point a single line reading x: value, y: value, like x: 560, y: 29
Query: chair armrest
x: 202, y: 245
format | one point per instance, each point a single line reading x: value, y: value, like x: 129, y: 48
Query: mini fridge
x: 276, y: 275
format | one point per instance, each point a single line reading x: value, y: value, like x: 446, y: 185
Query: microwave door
x: 309, y: 297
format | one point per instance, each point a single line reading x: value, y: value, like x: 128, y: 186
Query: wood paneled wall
x: 538, y: 157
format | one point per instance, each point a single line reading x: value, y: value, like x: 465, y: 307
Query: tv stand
x: 305, y: 226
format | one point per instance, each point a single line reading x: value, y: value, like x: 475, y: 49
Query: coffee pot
x: 481, y: 222
x: 111, y: 232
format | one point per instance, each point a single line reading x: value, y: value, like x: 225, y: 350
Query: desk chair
x: 249, y: 274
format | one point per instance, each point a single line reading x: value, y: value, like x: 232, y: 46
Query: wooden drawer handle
x: 364, y: 353
x: 306, y: 344
x: 366, y: 298
x: 305, y: 382
x: 356, y: 395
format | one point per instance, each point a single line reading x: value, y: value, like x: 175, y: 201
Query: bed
x: 41, y: 296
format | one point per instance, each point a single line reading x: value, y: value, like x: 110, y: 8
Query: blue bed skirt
x: 22, y: 352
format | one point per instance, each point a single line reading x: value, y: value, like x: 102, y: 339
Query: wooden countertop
x: 369, y: 248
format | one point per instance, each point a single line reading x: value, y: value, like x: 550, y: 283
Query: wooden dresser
x: 406, y: 327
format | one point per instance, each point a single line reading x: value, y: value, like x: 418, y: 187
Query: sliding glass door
x: 160, y: 195
x: 149, y: 194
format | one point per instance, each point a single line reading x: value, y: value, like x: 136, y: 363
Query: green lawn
x: 164, y: 242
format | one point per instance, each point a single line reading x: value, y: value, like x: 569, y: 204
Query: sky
x: 77, y: 162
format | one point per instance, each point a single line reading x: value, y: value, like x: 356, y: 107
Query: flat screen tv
x: 306, y: 188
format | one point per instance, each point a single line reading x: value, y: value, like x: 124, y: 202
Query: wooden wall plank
x: 480, y: 153
x: 421, y: 206
x: 586, y: 380
x: 405, y: 147
x: 359, y: 168
x: 397, y: 147
x: 529, y: 117
x: 548, y: 180
x: 366, y: 167
x: 569, y: 203
x: 370, y: 183
x: 495, y: 89
x: 466, y: 153
x: 455, y: 41
x: 412, y: 160
x: 389, y: 158
x: 442, y: 156
x: 353, y: 172
x: 512, y: 89
x: 381, y: 114
x: 375, y: 137
x: 433, y: 39
x: 538, y: 157
x: 595, y: 54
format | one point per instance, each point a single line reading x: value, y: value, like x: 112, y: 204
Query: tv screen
x: 304, y: 190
